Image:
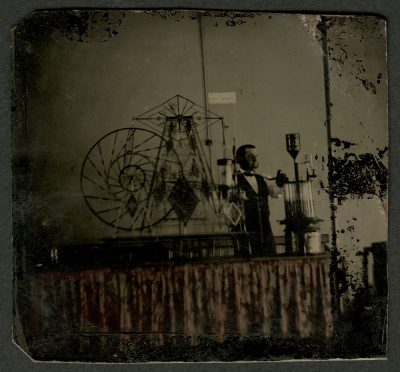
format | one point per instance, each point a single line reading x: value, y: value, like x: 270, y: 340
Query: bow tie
x: 249, y: 174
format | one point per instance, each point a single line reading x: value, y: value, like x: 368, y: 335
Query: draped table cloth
x: 271, y: 297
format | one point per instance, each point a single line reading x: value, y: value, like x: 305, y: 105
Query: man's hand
x: 281, y: 178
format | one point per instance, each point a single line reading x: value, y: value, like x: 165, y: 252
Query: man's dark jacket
x: 256, y: 210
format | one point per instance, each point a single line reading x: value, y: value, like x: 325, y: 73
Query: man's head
x: 247, y: 157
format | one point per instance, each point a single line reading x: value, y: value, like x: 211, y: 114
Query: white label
x: 221, y: 98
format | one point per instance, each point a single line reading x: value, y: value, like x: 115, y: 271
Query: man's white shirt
x: 274, y: 190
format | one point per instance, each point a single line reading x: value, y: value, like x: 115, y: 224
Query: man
x: 255, y: 190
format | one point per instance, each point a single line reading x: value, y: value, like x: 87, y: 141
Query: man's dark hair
x: 242, y: 150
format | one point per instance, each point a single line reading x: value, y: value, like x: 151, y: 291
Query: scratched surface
x: 81, y: 74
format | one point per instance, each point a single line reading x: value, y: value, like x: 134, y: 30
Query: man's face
x: 250, y: 160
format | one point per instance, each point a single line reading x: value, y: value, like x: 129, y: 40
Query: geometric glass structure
x: 183, y: 200
x: 119, y: 175
x: 156, y: 172
x: 234, y: 214
x: 132, y: 205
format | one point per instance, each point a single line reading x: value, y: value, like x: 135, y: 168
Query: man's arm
x: 275, y: 186
x: 274, y: 190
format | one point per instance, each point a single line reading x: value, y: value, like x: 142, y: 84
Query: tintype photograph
x: 199, y: 186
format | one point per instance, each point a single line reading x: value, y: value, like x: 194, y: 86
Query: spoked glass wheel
x: 127, y: 176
